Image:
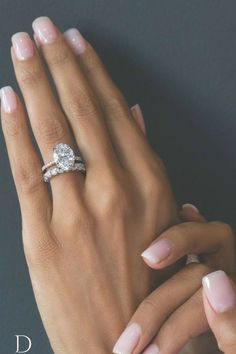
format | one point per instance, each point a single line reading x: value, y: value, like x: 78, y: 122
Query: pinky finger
x: 25, y: 164
x: 138, y: 116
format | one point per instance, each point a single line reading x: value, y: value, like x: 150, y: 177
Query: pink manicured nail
x: 137, y: 112
x: 75, y: 40
x: 190, y: 206
x: 128, y: 340
x: 22, y: 45
x: 158, y: 251
x: 219, y: 291
x: 152, y: 349
x: 45, y: 30
x: 8, y: 99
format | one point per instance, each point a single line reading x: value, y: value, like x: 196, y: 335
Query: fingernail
x: 128, y: 340
x: 75, y: 40
x: 190, y: 206
x: 158, y: 251
x: 45, y: 30
x: 152, y: 349
x: 138, y: 115
x: 219, y: 291
x: 22, y: 45
x: 8, y: 99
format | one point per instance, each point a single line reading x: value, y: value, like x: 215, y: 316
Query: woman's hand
x: 82, y: 241
x: 174, y: 314
x: 219, y: 295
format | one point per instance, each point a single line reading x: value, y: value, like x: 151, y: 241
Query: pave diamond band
x: 64, y: 160
x: 56, y: 171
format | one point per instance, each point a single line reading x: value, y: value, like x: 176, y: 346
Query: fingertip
x: 9, y: 101
x: 189, y: 206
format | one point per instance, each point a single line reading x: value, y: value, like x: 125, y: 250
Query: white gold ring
x: 192, y: 258
x: 64, y: 160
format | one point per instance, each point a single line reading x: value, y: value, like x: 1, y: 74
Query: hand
x: 219, y: 295
x: 82, y: 241
x: 173, y: 314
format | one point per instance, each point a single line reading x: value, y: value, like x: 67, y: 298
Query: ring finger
x: 46, y: 117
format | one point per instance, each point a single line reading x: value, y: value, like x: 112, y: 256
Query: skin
x: 83, y: 241
x: 165, y: 313
x: 223, y: 325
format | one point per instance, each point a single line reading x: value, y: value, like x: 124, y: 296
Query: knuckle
x: 117, y: 106
x: 81, y: 106
x: 40, y: 252
x: 227, y: 232
x: 149, y: 305
x: 154, y: 188
x: 59, y: 56
x: 28, y: 176
x: 51, y: 129
x: 113, y: 201
x: 30, y: 76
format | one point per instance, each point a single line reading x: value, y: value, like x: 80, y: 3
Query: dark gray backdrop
x: 177, y: 59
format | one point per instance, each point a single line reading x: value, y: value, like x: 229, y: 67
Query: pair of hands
x: 83, y: 239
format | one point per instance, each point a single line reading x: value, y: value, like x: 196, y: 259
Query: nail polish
x: 219, y: 291
x: 138, y: 114
x: 76, y: 41
x: 128, y: 340
x: 22, y: 45
x: 8, y: 99
x: 152, y: 349
x: 190, y: 206
x: 158, y: 251
x: 45, y: 30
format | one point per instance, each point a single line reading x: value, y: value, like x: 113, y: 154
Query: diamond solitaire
x: 64, y: 160
x: 64, y: 157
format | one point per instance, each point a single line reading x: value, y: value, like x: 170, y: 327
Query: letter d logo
x: 24, y: 339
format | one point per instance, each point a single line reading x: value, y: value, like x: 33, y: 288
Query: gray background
x: 177, y: 59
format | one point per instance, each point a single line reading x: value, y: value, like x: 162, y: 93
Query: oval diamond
x: 64, y: 157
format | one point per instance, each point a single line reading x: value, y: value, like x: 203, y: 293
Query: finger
x: 138, y: 116
x: 187, y: 322
x: 46, y: 118
x: 191, y: 237
x: 76, y: 97
x: 190, y: 213
x: 117, y: 113
x: 219, y: 295
x: 158, y: 306
x: 25, y: 165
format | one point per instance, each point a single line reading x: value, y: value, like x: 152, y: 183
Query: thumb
x: 219, y: 297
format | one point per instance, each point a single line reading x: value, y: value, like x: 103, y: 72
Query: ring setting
x: 64, y: 160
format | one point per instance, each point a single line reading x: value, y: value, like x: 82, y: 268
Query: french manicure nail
x: 8, y: 99
x: 45, y: 30
x: 219, y: 291
x: 190, y: 206
x: 152, y: 349
x: 22, y: 45
x: 75, y: 40
x: 138, y: 114
x: 158, y: 251
x: 128, y: 340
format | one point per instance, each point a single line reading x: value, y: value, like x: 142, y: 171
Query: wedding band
x: 192, y: 258
x: 64, y: 160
